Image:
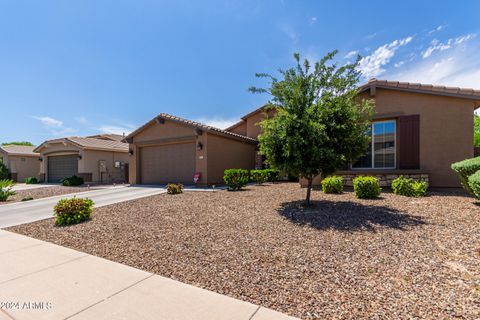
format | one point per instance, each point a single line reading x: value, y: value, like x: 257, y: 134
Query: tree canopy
x: 476, y: 130
x: 320, y: 125
x: 18, y: 143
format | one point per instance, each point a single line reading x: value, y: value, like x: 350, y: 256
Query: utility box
x: 102, y: 166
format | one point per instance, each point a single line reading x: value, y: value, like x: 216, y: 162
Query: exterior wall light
x: 40, y: 159
x: 79, y: 157
x: 199, y: 146
x: 130, y: 152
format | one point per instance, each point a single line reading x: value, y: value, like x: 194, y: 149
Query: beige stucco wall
x: 240, y: 128
x: 24, y: 166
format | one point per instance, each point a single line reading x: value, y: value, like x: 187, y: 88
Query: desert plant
x: 236, y: 179
x: 27, y: 198
x: 333, y: 184
x: 465, y: 169
x: 74, y: 210
x: 474, y: 184
x: 3, y: 171
x: 72, y: 181
x: 259, y: 176
x: 407, y: 187
x: 174, y: 188
x: 31, y: 180
x: 6, y: 189
x: 366, y: 187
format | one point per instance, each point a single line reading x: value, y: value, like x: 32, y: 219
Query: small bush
x: 272, y: 174
x: 71, y: 211
x: 259, y: 176
x: 174, y: 188
x: 236, y: 179
x: 407, y: 187
x: 31, y: 180
x: 474, y: 184
x: 465, y: 169
x: 419, y: 188
x: 366, y: 187
x: 333, y: 184
x: 3, y: 171
x: 72, y: 181
x: 6, y: 189
x: 27, y: 198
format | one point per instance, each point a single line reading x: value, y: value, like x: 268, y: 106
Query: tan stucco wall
x: 240, y: 129
x: 223, y: 153
x: 253, y: 123
x: 24, y: 167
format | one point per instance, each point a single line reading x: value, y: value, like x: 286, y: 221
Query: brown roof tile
x: 12, y: 149
x: 91, y: 144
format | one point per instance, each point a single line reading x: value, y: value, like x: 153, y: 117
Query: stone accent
x: 385, y: 179
x: 14, y: 176
x: 86, y: 176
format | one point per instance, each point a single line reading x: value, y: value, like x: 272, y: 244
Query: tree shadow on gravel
x: 347, y: 216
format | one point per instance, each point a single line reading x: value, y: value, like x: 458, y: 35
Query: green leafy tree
x: 476, y: 131
x: 320, y: 125
x: 18, y: 143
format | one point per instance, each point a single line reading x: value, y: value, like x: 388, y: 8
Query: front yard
x: 43, y: 192
x: 343, y: 258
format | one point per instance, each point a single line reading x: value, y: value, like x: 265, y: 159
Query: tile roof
x: 192, y: 123
x: 466, y: 93
x: 12, y: 149
x: 108, y: 136
x: 91, y: 143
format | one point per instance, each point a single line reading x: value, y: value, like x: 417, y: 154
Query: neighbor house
x: 21, y: 161
x: 97, y: 159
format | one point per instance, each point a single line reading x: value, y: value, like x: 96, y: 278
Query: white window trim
x: 373, y: 150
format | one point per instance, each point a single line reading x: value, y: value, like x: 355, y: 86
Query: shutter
x: 409, y: 136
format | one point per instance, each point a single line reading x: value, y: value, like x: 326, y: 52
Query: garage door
x: 60, y: 167
x: 167, y: 163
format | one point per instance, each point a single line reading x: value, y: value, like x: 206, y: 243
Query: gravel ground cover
x: 45, y: 192
x: 343, y: 258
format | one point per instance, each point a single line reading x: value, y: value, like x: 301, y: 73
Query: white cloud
x: 289, y: 32
x: 371, y: 36
x: 436, y: 45
x: 218, y: 122
x: 372, y: 65
x: 437, y: 29
x: 55, y: 126
x: 351, y: 54
x: 50, y: 122
x: 81, y: 119
x: 113, y: 129
x: 399, y: 64
x: 313, y: 20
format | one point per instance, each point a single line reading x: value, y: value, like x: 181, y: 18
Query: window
x: 381, y: 154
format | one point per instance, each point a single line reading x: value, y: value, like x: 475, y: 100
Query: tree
x: 476, y: 130
x: 18, y: 143
x: 320, y: 125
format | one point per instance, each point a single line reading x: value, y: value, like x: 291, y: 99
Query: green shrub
x: 236, y: 179
x: 474, y: 184
x: 72, y: 181
x: 366, y: 187
x: 31, y: 180
x: 3, y: 171
x: 407, y: 187
x: 27, y: 198
x: 259, y: 176
x: 272, y: 174
x: 71, y: 211
x: 333, y: 184
x: 465, y: 169
x: 174, y: 188
x: 6, y: 189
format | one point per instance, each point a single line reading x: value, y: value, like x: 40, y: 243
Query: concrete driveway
x: 29, y: 211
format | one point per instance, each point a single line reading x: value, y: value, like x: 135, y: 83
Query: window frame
x: 372, y: 146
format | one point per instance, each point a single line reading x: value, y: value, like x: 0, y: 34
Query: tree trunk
x: 309, y: 190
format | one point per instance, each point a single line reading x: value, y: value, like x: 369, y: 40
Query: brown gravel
x: 392, y: 258
x: 43, y: 192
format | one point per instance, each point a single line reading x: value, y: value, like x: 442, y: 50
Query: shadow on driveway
x: 347, y: 216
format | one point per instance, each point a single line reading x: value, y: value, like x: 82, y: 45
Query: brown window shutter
x: 409, y: 147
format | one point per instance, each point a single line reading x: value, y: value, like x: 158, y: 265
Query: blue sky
x: 85, y: 67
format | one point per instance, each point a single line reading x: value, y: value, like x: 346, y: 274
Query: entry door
x: 60, y: 167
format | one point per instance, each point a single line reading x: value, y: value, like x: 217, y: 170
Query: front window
x: 381, y: 153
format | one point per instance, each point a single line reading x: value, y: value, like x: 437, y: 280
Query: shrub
x: 366, y: 187
x: 259, y: 176
x: 272, y: 175
x: 71, y: 211
x: 3, y: 171
x: 174, y: 188
x: 27, y: 198
x: 407, y: 187
x: 236, y: 179
x: 333, y: 184
x: 474, y: 184
x: 465, y: 169
x: 72, y: 181
x: 31, y: 180
x: 6, y: 189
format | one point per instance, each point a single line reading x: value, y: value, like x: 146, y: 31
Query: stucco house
x: 96, y: 159
x: 21, y: 161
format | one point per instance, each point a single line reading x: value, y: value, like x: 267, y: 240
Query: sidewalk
x: 40, y: 280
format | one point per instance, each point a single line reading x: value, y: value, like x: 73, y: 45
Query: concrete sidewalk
x: 40, y: 280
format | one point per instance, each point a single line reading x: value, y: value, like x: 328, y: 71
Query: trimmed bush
x: 366, y: 187
x: 3, y: 171
x: 6, y: 189
x: 272, y: 175
x: 72, y: 211
x: 333, y: 184
x: 474, y: 184
x: 407, y: 187
x: 259, y: 176
x: 72, y: 181
x: 236, y: 179
x: 465, y: 169
x: 31, y: 180
x: 174, y: 188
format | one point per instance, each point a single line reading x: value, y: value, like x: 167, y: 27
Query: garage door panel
x: 60, y: 167
x: 163, y: 164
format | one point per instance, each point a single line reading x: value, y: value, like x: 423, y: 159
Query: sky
x: 82, y: 67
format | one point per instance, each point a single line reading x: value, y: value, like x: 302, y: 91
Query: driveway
x: 29, y: 211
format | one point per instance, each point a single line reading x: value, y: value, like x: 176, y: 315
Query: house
x: 97, y: 159
x: 171, y: 149
x: 21, y: 161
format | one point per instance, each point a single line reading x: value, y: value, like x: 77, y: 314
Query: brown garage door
x: 167, y: 163
x: 60, y: 167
